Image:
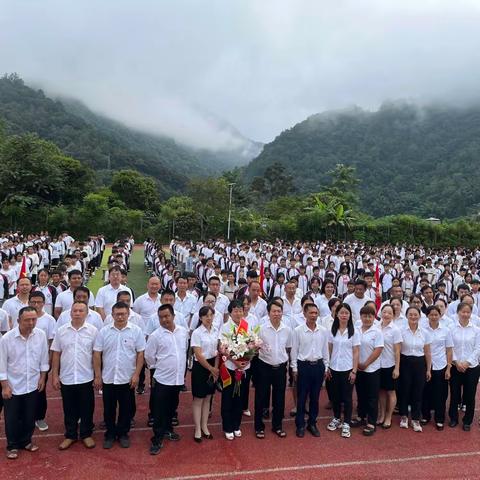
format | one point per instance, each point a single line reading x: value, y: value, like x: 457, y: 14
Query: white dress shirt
x: 370, y: 340
x: 391, y: 337
x: 22, y: 359
x: 441, y: 340
x: 133, y: 317
x: 119, y: 352
x: 46, y: 323
x: 260, y: 308
x: 206, y: 340
x: 4, y: 321
x: 65, y: 300
x: 413, y: 343
x: 186, y: 306
x: 107, y: 297
x: 146, y: 306
x: 12, y: 306
x: 341, y: 359
x: 466, y: 344
x: 309, y: 345
x: 292, y: 309
x: 76, y: 353
x: 355, y: 304
x: 93, y: 318
x: 166, y: 352
x: 153, y: 322
x: 275, y: 343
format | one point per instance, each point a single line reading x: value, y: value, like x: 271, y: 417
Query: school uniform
x: 207, y: 341
x: 391, y: 336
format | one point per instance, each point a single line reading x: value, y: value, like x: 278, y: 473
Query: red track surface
x: 393, y: 454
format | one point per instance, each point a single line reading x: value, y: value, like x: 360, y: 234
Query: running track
x: 393, y: 454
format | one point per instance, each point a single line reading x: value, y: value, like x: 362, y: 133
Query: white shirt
x: 166, y: 352
x: 309, y: 345
x: 441, y: 340
x: 355, y: 304
x: 22, y: 359
x: 46, y: 323
x: 341, y: 358
x: 275, y: 343
x: 12, y: 306
x: 76, y: 352
x: 153, y: 322
x: 391, y: 337
x: 133, y: 317
x: 107, y: 297
x: 119, y: 352
x: 65, y: 300
x: 206, y: 340
x: 93, y: 318
x: 413, y: 343
x: 290, y: 310
x: 3, y: 321
x: 466, y: 344
x: 186, y: 306
x: 146, y: 306
x: 260, y: 308
x: 452, y: 308
x: 369, y: 341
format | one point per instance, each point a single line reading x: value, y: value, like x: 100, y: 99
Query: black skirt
x: 386, y: 380
x: 200, y: 387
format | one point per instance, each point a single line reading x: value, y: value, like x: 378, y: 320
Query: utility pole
x: 230, y: 210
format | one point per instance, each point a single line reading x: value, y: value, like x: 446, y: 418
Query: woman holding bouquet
x: 204, y: 371
x: 232, y: 372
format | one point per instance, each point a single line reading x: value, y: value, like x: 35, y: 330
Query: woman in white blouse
x: 415, y: 368
x: 389, y: 366
x: 343, y: 345
x: 204, y: 344
x: 435, y: 392
x: 465, y: 369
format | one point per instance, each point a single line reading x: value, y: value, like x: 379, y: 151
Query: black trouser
x: 232, y: 405
x: 272, y: 378
x: 328, y: 388
x: 309, y: 383
x: 78, y: 403
x: 41, y: 408
x: 20, y: 419
x: 341, y: 390
x: 165, y: 401
x: 141, y: 378
x: 411, y: 384
x: 469, y: 381
x: 435, y: 396
x: 151, y: 399
x: 124, y: 397
x: 367, y: 385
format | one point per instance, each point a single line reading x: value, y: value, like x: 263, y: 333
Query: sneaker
x: 155, y: 448
x: 229, y: 436
x: 334, y: 424
x: 41, y: 425
x: 124, y: 441
x: 237, y: 433
x: 346, y: 430
x: 247, y: 413
x: 404, y: 422
x: 416, y: 426
x: 173, y: 436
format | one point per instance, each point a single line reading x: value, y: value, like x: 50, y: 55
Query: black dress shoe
x: 357, y: 422
x: 197, y: 439
x: 108, y: 443
x: 313, y: 430
x: 300, y: 432
x: 155, y: 448
x: 208, y: 437
x: 466, y: 427
x: 453, y: 423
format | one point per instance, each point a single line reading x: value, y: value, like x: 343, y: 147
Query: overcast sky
x: 262, y: 65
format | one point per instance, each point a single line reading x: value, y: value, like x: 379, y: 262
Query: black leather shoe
x: 197, y: 439
x: 155, y: 448
x: 466, y: 427
x: 108, y: 443
x: 452, y: 423
x: 313, y: 430
x: 300, y: 432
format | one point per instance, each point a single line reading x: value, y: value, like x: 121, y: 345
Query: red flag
x: 242, y: 326
x: 23, y: 270
x: 225, y: 375
x: 262, y: 277
x: 378, y: 296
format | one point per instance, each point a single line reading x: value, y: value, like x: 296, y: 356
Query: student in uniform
x: 389, y: 366
x: 367, y: 382
x: 465, y: 369
x: 343, y: 344
x: 435, y: 392
x: 415, y: 368
x: 204, y: 343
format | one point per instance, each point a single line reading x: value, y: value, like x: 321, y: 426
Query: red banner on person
x: 23, y: 269
x: 225, y: 375
x: 242, y: 326
x: 378, y: 296
x: 262, y: 277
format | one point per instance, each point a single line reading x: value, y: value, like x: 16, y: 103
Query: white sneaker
x: 41, y: 425
x: 334, y: 424
x: 247, y: 413
x: 237, y: 433
x: 404, y: 422
x: 346, y: 430
x: 229, y: 436
x: 416, y: 426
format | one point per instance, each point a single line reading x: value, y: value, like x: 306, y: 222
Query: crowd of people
x: 398, y: 324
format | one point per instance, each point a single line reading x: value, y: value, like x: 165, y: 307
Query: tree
x: 274, y: 183
x: 136, y: 190
x: 344, y: 184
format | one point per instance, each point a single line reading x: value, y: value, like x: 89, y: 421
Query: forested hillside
x: 424, y: 161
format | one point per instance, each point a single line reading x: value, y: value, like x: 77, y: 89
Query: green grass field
x: 137, y: 277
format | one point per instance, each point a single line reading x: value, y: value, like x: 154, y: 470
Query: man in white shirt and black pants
x: 309, y: 359
x: 72, y: 372
x: 272, y: 370
x: 166, y: 352
x: 23, y: 369
x: 118, y: 359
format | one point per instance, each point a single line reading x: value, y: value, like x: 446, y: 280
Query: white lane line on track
x: 244, y: 473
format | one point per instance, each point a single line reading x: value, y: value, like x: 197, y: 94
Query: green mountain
x: 409, y: 159
x: 105, y: 144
